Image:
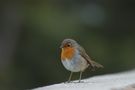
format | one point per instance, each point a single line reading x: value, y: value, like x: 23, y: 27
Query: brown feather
x: 92, y: 63
x: 67, y: 52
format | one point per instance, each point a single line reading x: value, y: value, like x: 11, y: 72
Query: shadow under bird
x: 75, y: 59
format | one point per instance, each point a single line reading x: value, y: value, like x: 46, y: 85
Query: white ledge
x: 118, y: 81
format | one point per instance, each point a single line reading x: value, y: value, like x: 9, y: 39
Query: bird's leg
x: 80, y: 76
x: 70, y: 77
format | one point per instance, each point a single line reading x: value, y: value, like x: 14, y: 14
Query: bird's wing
x: 88, y: 59
x: 84, y: 54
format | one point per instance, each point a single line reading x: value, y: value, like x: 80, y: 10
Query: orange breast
x: 67, y: 53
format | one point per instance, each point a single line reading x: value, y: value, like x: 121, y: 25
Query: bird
x: 75, y: 59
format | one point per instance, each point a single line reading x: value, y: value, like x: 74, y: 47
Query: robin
x: 75, y: 59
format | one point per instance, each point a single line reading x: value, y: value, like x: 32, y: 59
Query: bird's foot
x: 80, y: 81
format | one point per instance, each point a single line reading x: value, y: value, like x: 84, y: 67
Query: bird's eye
x: 68, y: 45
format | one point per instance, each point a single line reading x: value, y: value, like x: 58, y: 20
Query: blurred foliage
x: 31, y: 33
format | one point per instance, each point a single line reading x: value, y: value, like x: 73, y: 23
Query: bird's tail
x: 96, y: 65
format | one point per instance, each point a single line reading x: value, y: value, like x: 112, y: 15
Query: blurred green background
x: 31, y: 32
